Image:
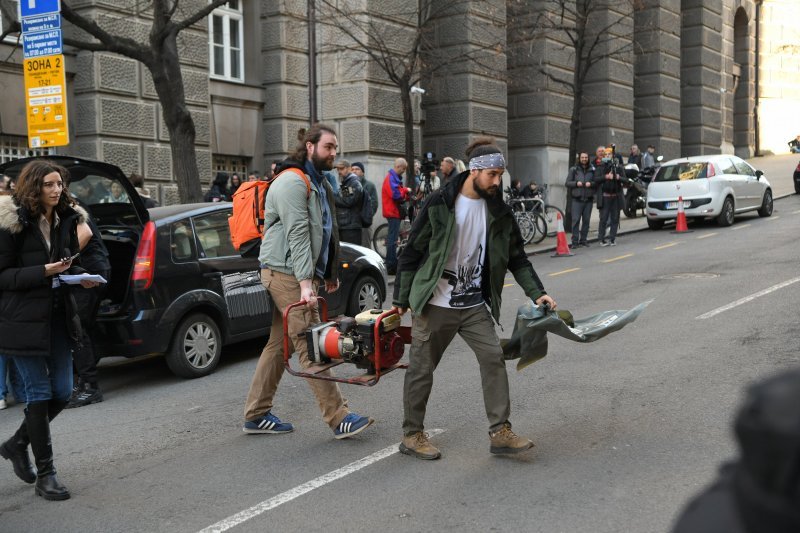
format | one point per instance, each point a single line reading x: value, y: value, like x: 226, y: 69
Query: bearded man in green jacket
x: 451, y: 276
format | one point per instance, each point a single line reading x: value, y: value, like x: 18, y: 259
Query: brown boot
x: 505, y: 441
x: 417, y: 445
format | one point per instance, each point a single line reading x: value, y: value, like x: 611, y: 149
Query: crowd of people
x: 600, y: 180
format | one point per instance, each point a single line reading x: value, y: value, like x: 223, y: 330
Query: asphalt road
x: 627, y: 428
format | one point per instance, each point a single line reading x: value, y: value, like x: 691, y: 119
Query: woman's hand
x: 89, y: 284
x: 52, y: 269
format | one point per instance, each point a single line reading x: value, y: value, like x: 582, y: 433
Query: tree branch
x: 114, y: 43
x: 197, y: 16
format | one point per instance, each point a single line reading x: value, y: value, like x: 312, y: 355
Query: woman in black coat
x: 39, y: 235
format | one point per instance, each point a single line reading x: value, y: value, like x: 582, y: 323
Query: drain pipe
x: 757, y: 78
x: 312, y: 61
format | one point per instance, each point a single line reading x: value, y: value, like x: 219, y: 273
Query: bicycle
x: 532, y: 225
x: 381, y: 234
x: 538, y: 204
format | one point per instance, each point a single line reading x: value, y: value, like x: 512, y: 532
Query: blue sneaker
x: 350, y: 425
x: 268, y: 423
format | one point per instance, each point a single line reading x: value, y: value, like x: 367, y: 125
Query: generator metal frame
x: 315, y: 370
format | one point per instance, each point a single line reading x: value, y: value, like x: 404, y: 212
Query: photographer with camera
x: 348, y: 203
x: 429, y: 180
x: 609, y: 178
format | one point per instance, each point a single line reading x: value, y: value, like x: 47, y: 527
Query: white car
x: 718, y: 186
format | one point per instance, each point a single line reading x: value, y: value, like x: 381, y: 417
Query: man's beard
x: 486, y: 194
x: 320, y: 163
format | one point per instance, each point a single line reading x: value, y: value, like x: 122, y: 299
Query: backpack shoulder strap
x: 302, y: 175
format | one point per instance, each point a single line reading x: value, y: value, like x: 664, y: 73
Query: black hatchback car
x: 178, y: 287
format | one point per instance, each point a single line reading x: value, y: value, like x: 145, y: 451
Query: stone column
x: 657, y: 89
x: 467, y: 98
x: 539, y: 112
x: 284, y: 55
x: 701, y: 77
x: 607, y: 113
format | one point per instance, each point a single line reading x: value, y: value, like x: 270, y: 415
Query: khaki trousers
x: 285, y: 290
x: 432, y: 331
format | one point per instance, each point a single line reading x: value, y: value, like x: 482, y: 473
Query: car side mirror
x: 759, y: 174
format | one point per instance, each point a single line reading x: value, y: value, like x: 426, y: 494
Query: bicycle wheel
x: 526, y: 228
x: 540, y: 226
x: 549, y: 215
x: 379, y: 240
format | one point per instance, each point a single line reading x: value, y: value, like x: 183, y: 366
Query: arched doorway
x: 743, y: 123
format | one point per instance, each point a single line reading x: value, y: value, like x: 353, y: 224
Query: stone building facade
x: 698, y: 76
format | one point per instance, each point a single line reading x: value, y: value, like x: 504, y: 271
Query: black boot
x: 15, y: 450
x: 38, y: 419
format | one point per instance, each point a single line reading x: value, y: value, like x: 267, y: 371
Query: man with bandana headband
x: 451, y: 275
x: 299, y: 252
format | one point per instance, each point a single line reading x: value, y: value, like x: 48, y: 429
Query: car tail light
x: 711, y: 171
x: 145, y: 263
x: 798, y: 167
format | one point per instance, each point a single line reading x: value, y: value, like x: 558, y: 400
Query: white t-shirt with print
x: 460, y: 286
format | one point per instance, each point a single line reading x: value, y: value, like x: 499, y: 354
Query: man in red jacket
x: 393, y: 194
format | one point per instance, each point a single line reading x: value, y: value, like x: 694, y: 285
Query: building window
x: 12, y: 148
x: 5, y: 22
x: 231, y: 165
x: 225, y: 42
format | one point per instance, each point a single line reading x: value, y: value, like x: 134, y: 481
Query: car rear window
x: 682, y: 172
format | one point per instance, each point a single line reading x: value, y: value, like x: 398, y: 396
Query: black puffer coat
x: 26, y: 294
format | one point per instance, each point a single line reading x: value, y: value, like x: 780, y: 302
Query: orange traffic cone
x: 562, y: 248
x: 680, y: 223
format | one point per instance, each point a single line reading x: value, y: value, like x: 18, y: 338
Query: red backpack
x: 247, y: 220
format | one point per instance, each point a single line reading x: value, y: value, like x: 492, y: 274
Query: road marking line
x: 746, y: 299
x: 740, y: 226
x: 564, y: 272
x: 616, y: 258
x: 776, y: 217
x: 665, y: 246
x: 707, y: 235
x: 796, y: 212
x: 509, y: 285
x: 292, y: 494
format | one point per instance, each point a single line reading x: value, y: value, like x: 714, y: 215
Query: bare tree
x: 161, y: 55
x: 409, y: 55
x: 590, y: 31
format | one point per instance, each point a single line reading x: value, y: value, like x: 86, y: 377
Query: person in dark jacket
x: 451, y: 274
x: 372, y: 191
x: 94, y: 258
x: 580, y: 182
x: 609, y: 178
x: 219, y: 189
x: 759, y: 492
x: 348, y: 203
x: 39, y: 228
x: 137, y: 180
x: 236, y: 182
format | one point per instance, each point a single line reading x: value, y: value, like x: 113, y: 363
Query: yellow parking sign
x: 46, y: 101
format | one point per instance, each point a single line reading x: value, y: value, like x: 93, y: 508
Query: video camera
x: 429, y: 164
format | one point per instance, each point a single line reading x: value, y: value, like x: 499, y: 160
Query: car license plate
x: 674, y: 205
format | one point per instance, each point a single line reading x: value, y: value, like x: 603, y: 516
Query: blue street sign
x: 43, y: 43
x: 33, y: 8
x: 41, y: 23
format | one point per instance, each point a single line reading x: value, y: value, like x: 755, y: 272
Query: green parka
x: 422, y: 262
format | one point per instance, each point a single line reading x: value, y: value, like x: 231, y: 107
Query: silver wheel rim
x: 200, y: 345
x: 368, y: 297
x: 729, y: 211
x: 769, y: 203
